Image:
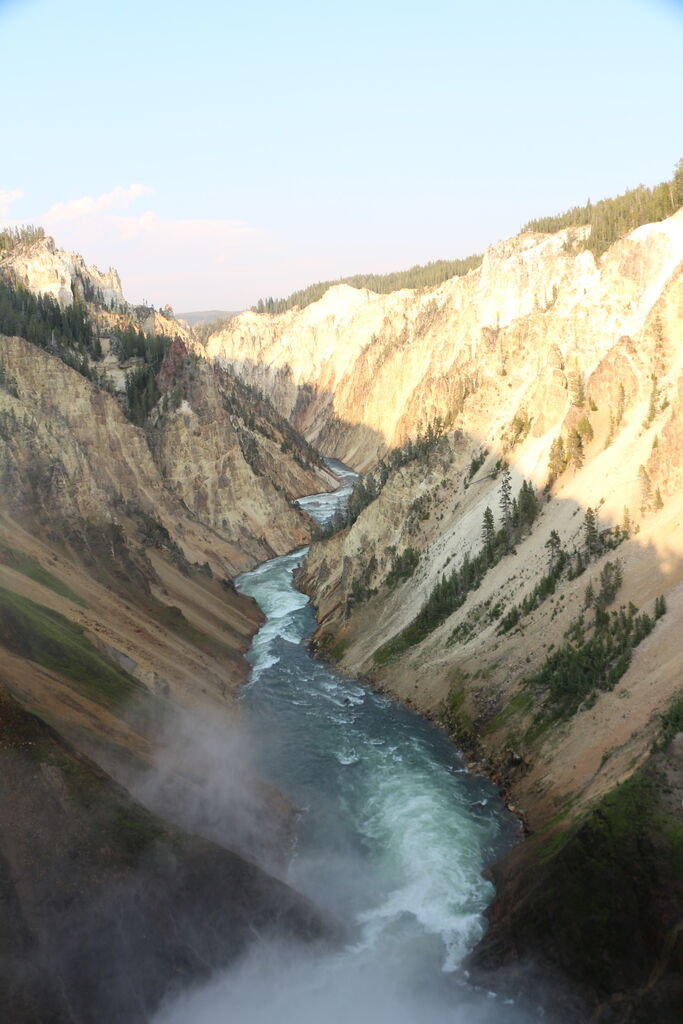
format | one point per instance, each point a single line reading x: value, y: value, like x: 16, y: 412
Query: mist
x: 392, y: 836
x: 294, y: 984
x: 207, y: 779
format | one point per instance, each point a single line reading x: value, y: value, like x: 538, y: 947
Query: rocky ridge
x: 542, y: 343
x: 359, y: 372
x: 121, y: 640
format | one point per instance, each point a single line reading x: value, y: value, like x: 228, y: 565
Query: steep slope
x: 546, y: 637
x: 358, y: 373
x: 104, y: 905
x: 38, y: 265
x: 135, y: 481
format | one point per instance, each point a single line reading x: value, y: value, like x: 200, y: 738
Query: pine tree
x: 590, y: 526
x: 645, y: 489
x: 488, y: 534
x: 626, y: 522
x: 506, y: 502
x: 658, y: 502
x: 528, y: 504
x: 652, y: 407
x: 620, y: 405
x: 575, y: 449
x: 577, y: 388
x: 554, y: 546
x: 557, y: 459
x: 585, y: 429
x: 610, y: 430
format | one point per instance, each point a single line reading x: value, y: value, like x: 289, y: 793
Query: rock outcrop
x: 358, y: 372
x: 541, y: 345
x: 46, y: 270
x: 121, y: 641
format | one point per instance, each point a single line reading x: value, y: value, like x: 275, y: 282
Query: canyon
x: 119, y: 542
x: 543, y: 342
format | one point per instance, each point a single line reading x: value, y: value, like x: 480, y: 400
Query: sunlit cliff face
x: 364, y: 371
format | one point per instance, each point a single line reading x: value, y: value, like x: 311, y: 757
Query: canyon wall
x: 479, y: 380
x: 121, y: 656
x: 358, y: 372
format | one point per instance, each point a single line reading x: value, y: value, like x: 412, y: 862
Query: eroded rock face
x: 558, y: 349
x: 46, y: 270
x: 359, y: 372
x: 618, y: 381
x: 120, y: 626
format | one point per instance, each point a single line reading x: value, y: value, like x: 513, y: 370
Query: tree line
x: 13, y: 238
x: 426, y: 275
x: 40, y: 319
x: 610, y: 219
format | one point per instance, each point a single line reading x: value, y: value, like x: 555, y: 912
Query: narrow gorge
x: 339, y: 646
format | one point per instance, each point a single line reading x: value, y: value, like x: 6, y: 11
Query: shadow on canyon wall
x: 107, y: 906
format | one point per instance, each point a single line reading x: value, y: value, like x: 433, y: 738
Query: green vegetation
x: 142, y: 390
x: 32, y: 631
x: 34, y: 570
x: 16, y: 238
x: 172, y: 617
x: 68, y: 332
x: 476, y: 463
x: 456, y: 719
x: 594, y: 656
x: 577, y: 389
x: 543, y: 589
x: 672, y: 722
x: 257, y: 412
x: 142, y: 394
x: 427, y: 276
x: 360, y: 588
x: 402, y: 566
x: 367, y: 488
x: 519, y: 704
x: 653, y: 404
x: 608, y: 887
x: 451, y: 592
x: 516, y: 431
x: 610, y: 219
x: 570, y: 453
x: 132, y: 343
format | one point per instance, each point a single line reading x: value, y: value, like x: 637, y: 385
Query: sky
x: 219, y: 152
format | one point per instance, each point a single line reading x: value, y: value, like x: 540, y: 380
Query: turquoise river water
x: 393, y: 837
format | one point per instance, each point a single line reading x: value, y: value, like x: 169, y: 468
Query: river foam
x: 389, y: 843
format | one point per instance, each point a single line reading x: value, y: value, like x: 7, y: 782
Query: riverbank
x: 393, y: 840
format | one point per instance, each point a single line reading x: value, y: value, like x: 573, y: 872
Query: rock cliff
x: 122, y: 641
x: 556, y: 379
x: 46, y: 270
x: 358, y: 373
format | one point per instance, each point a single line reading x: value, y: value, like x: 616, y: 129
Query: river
x: 393, y: 836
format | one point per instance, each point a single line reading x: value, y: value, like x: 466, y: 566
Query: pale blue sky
x: 278, y: 144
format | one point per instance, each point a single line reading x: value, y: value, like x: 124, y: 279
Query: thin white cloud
x: 192, y: 262
x: 7, y: 197
x: 211, y: 236
x: 119, y: 198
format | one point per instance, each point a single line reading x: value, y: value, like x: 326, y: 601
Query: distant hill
x: 206, y: 316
